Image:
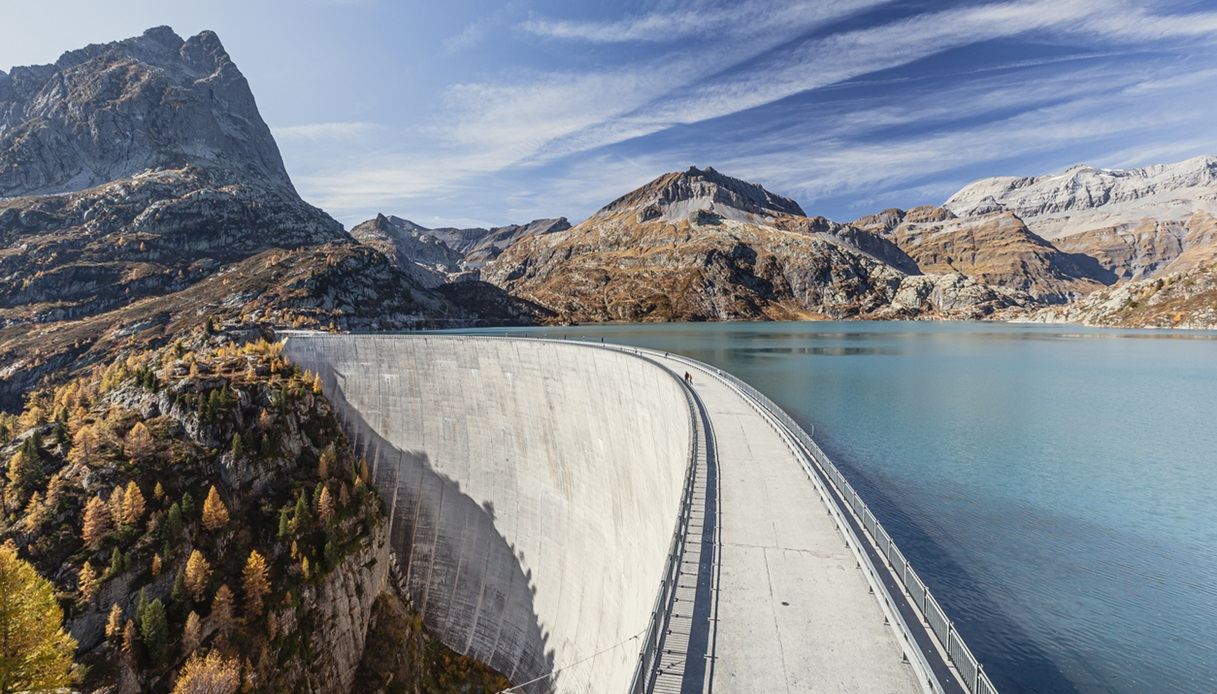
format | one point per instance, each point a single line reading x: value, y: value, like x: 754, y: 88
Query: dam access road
x: 534, y: 485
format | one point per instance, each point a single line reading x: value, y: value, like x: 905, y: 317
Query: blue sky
x: 462, y: 112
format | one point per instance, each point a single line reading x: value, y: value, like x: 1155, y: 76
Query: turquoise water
x: 1055, y: 486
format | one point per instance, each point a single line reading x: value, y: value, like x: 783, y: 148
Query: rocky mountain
x: 993, y: 248
x: 1135, y: 222
x: 698, y: 245
x: 141, y: 192
x: 110, y: 111
x: 1185, y: 299
x: 445, y: 254
x: 699, y: 194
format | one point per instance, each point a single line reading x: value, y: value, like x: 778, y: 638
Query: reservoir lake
x: 1055, y: 486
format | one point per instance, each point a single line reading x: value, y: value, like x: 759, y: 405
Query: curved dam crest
x: 532, y: 486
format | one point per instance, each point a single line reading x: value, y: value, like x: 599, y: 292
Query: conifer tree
x: 154, y: 629
x: 35, y: 651
x: 215, y: 513
x: 285, y: 522
x: 192, y: 633
x: 134, y: 504
x: 325, y: 506
x: 139, y: 444
x: 198, y: 572
x: 255, y: 579
x: 114, y: 623
x: 221, y: 610
x: 210, y: 674
x: 129, y: 637
x: 187, y: 506
x: 88, y: 581
x: 96, y: 523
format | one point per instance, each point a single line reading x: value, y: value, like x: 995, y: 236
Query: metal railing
x: 968, y: 669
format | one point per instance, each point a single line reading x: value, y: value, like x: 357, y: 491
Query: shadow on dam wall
x: 461, y: 574
x: 534, y: 488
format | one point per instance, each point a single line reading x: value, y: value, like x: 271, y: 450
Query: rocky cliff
x: 679, y: 248
x: 141, y: 193
x: 110, y: 111
x: 1134, y: 222
x: 994, y: 248
x: 446, y: 254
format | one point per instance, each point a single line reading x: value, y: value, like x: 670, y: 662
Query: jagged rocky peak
x: 1084, y: 188
x: 109, y: 111
x: 700, y: 195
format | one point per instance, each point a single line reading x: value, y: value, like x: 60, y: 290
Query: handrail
x: 968, y: 669
x: 661, y: 613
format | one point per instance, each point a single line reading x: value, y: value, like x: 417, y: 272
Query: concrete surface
x: 533, y: 486
x: 794, y: 612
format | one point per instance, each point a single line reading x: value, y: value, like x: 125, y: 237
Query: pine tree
x: 327, y: 461
x: 171, y: 528
x: 215, y: 513
x: 238, y: 446
x: 88, y: 581
x: 116, y: 563
x: 114, y: 623
x: 192, y: 633
x: 35, y: 651
x: 156, y: 565
x: 178, y: 594
x: 154, y: 629
x: 187, y: 506
x: 255, y: 579
x: 139, y: 444
x: 221, y: 610
x: 115, y: 505
x: 133, y: 505
x: 325, y: 506
x: 210, y: 674
x: 300, y: 518
x: 285, y: 522
x: 24, y: 471
x: 129, y: 637
x: 198, y: 572
x: 158, y: 492
x: 96, y: 523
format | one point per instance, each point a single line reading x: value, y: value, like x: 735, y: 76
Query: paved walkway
x: 788, y: 609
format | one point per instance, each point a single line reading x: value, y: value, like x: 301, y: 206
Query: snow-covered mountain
x: 1082, y: 198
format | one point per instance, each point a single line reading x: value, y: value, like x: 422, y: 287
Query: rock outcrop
x: 446, y: 254
x: 141, y: 193
x: 110, y: 111
x: 1186, y: 299
x: 679, y: 249
x: 1133, y: 222
x: 994, y: 249
x: 698, y: 194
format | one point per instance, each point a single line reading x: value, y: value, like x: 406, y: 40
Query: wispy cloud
x: 327, y: 131
x: 749, y: 17
x: 567, y: 130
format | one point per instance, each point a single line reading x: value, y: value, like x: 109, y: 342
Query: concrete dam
x: 583, y: 520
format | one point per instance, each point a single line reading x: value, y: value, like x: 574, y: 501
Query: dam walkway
x: 576, y: 517
x: 790, y: 609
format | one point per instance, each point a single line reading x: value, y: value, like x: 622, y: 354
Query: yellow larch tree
x: 215, y: 513
x: 35, y: 651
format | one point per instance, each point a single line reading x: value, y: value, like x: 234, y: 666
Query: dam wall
x: 533, y: 489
